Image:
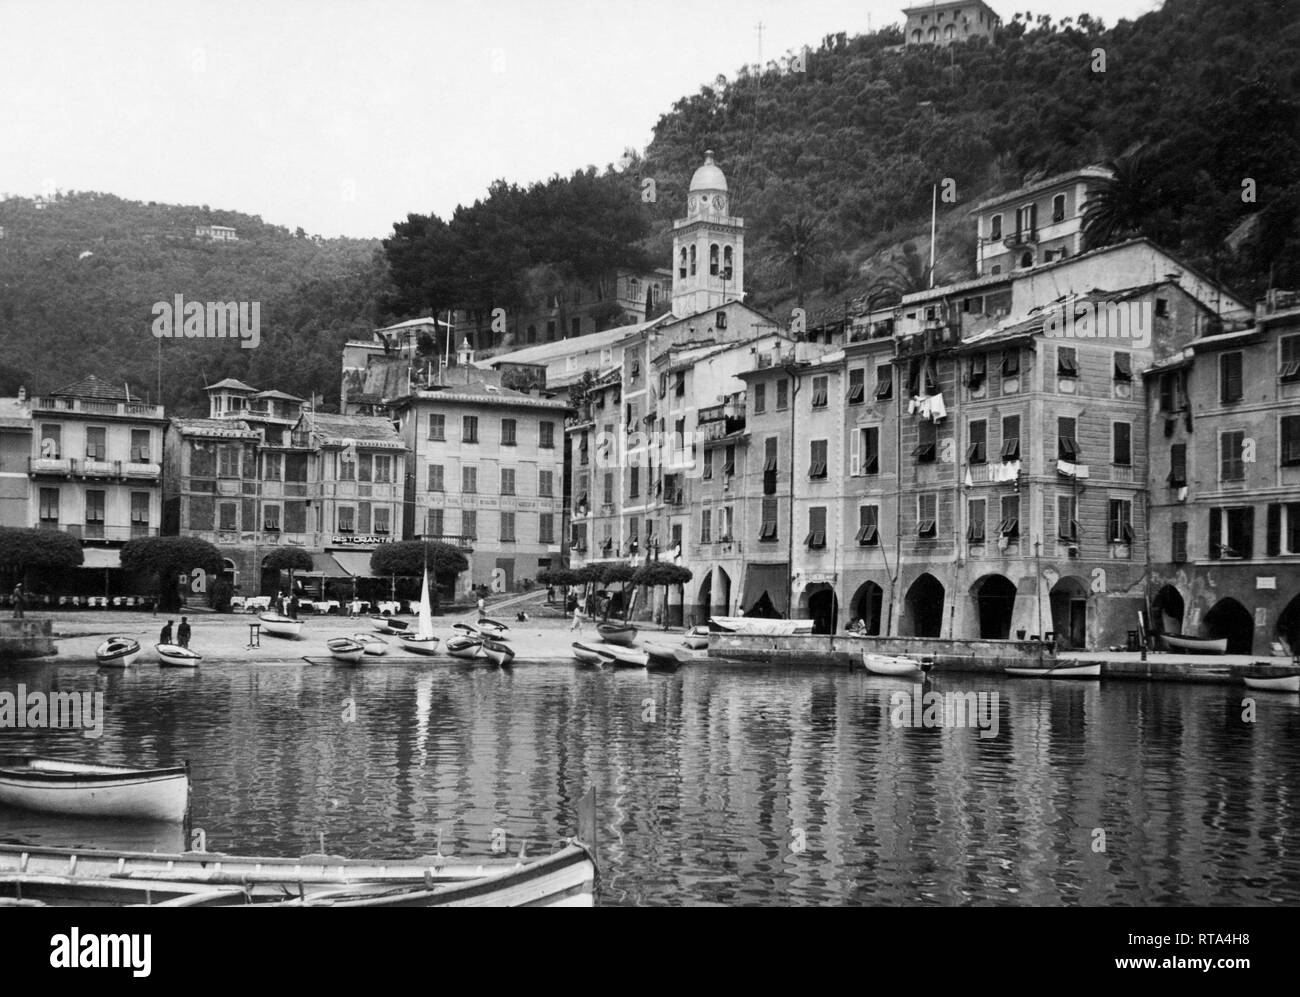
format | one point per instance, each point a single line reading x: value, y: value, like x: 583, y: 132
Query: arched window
x: 634, y: 288
x: 692, y: 261
x: 713, y: 260
x: 916, y: 35
x: 932, y: 35
x: 726, y: 263
x: 1027, y: 260
x: 1058, y: 208
x: 681, y: 266
x: 950, y: 31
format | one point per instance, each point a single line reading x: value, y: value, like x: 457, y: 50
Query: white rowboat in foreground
x: 75, y: 789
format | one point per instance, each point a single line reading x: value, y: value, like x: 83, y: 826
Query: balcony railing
x: 96, y: 406
x: 88, y: 468
x: 1024, y: 237
x: 98, y: 531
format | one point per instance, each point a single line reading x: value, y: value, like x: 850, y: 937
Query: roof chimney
x: 22, y: 393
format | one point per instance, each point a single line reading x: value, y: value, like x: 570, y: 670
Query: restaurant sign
x: 355, y: 540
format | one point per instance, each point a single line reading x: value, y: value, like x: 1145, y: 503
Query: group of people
x: 182, y: 633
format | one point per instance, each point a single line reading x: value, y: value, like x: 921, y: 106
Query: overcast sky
x: 341, y: 115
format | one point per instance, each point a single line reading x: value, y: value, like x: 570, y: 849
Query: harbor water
x: 719, y: 785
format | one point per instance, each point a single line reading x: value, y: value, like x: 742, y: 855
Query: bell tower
x: 708, y: 246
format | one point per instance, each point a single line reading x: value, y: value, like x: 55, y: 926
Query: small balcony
x: 1021, y: 239
x: 97, y: 407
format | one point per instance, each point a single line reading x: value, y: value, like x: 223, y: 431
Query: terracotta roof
x: 361, y: 428
x: 279, y: 394
x: 230, y: 382
x: 215, y: 427
x: 91, y: 386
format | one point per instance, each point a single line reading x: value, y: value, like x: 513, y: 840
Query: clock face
x: 717, y: 203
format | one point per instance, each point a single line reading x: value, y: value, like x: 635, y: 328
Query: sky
x: 341, y: 116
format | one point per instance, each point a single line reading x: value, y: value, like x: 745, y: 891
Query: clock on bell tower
x: 708, y: 246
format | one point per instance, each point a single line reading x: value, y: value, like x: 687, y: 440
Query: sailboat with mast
x: 423, y: 640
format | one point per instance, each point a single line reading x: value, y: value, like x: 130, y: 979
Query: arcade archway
x: 1167, y: 609
x: 923, y: 608
x: 867, y: 605
x: 1069, y: 602
x: 1229, y: 618
x: 995, y: 601
x: 823, y: 608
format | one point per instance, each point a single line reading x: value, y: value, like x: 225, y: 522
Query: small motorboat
x: 1273, y: 683
x: 1065, y: 670
x: 498, y: 653
x: 80, y: 790
x: 388, y: 625
x: 461, y: 646
x: 1195, y: 645
x: 371, y: 643
x: 891, y: 664
x: 588, y: 654
x: 175, y: 656
x: 624, y: 657
x: 697, y: 638
x: 278, y: 625
x: 346, y: 649
x: 617, y: 633
x: 117, y: 652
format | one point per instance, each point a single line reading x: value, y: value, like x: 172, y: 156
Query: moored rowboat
x: 175, y: 656
x: 888, y: 664
x: 117, y: 652
x: 1196, y: 645
x: 420, y: 645
x: 624, y: 657
x: 388, y: 625
x: 588, y: 654
x: 617, y: 633
x: 1273, y: 683
x: 1083, y: 670
x: 346, y: 649
x: 280, y: 626
x: 697, y: 638
x: 82, y: 790
x: 372, y: 644
x: 464, y: 647
x: 498, y: 653
x: 565, y: 878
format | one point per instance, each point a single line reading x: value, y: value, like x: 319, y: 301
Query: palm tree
x: 798, y: 242
x: 905, y: 274
x: 1125, y: 204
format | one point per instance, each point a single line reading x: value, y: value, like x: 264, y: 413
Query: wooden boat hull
x: 387, y: 625
x: 697, y: 638
x: 117, y: 652
x: 371, y: 644
x: 624, y: 636
x: 1277, y: 683
x: 280, y: 626
x: 588, y: 654
x: 499, y: 654
x: 420, y: 645
x: 464, y: 647
x: 102, y: 791
x: 664, y: 657
x: 346, y: 649
x: 1086, y: 670
x: 565, y: 878
x: 493, y: 627
x: 896, y: 665
x: 757, y: 626
x: 175, y: 656
x: 625, y: 657
x: 1195, y: 645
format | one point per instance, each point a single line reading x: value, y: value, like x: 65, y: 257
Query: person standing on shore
x: 183, y: 632
x: 20, y: 598
x: 577, y: 618
x: 482, y: 609
x: 165, y: 637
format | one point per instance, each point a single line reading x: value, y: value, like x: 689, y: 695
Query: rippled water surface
x: 721, y: 785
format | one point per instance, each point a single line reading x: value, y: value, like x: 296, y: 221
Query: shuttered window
x: 1230, y: 387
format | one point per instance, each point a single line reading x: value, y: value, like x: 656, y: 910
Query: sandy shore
x: 223, y: 638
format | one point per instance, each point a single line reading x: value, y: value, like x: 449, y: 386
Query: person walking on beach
x: 577, y: 618
x: 183, y: 632
x: 165, y: 637
x: 19, y: 599
x: 482, y: 609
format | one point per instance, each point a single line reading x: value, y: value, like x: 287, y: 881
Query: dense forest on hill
x: 79, y: 277
x: 831, y: 160
x: 832, y: 163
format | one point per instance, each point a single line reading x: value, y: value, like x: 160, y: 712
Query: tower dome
x: 708, y: 176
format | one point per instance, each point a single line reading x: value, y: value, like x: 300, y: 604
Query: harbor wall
x: 26, y: 638
x: 821, y: 650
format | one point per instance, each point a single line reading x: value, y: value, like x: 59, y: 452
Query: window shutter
x: 1274, y: 530
x: 1248, y: 531
x: 1216, y: 516
x: 855, y: 453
